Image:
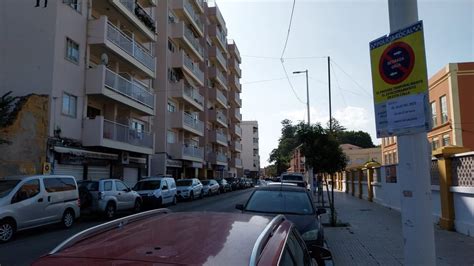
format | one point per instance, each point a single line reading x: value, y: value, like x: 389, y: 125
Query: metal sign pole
x: 414, y: 169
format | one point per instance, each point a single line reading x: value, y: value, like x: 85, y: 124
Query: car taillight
x: 101, y: 194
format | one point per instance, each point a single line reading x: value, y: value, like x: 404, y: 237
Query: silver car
x: 189, y: 188
x: 210, y: 187
x: 32, y: 201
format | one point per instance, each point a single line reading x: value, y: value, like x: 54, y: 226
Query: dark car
x: 234, y: 183
x: 159, y: 237
x: 224, y: 186
x: 295, y: 178
x: 292, y: 201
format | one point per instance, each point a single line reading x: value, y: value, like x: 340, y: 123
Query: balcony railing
x: 238, y: 130
x: 130, y: 46
x: 194, y: 42
x: 140, y: 13
x: 193, y: 151
x: 238, y: 162
x: 193, y: 122
x: 221, y: 76
x: 188, y: 62
x: 221, y: 96
x: 237, y: 98
x: 220, y: 116
x: 221, y: 137
x: 220, y: 35
x: 129, y: 88
x: 221, y: 157
x: 190, y: 9
x: 122, y: 133
x: 193, y: 94
x: 238, y: 145
x: 221, y: 57
x: 238, y: 115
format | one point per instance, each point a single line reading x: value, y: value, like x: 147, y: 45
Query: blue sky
x: 341, y: 29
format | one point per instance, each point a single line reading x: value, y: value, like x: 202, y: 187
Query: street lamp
x: 307, y: 90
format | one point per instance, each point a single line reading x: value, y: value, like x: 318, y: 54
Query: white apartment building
x: 250, y: 148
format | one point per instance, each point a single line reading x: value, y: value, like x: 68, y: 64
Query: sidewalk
x: 374, y: 236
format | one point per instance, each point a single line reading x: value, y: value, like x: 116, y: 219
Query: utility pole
x: 414, y: 169
x: 333, y: 211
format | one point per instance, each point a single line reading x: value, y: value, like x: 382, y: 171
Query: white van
x: 157, y: 190
x: 32, y: 201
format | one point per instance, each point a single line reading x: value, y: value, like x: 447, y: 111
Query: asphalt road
x: 31, y: 244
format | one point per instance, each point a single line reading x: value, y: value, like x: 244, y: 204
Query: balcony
x: 183, y: 34
x: 199, y: 4
x: 218, y: 158
x: 238, y: 130
x: 183, y: 120
x: 216, y: 54
x: 217, y: 96
x: 237, y: 146
x: 234, y: 82
x: 104, y: 133
x: 102, y: 32
x: 234, y: 51
x: 148, y: 3
x: 216, y: 17
x: 236, y: 100
x: 237, y: 116
x: 181, y: 60
x: 235, y: 163
x: 234, y: 67
x: 136, y: 14
x: 218, y: 137
x: 218, y: 117
x: 218, y: 36
x: 217, y: 75
x: 182, y: 90
x: 180, y: 151
x: 105, y: 82
x: 185, y: 8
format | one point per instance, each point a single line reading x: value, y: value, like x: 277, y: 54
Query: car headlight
x: 310, y: 235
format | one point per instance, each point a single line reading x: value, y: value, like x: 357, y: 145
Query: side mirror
x: 239, y: 207
x: 321, y: 211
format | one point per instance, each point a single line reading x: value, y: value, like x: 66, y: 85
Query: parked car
x: 295, y: 178
x: 295, y: 203
x: 234, y: 183
x: 210, y: 187
x: 189, y: 188
x: 108, y: 196
x: 159, y: 237
x: 224, y: 186
x: 32, y: 201
x: 157, y: 191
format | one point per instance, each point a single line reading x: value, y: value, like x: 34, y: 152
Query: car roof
x: 176, y: 238
x: 284, y: 187
x: 23, y: 177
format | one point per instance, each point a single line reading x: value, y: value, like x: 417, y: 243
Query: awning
x: 137, y: 160
x: 85, y: 153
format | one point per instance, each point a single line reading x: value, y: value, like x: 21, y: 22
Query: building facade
x: 250, y: 148
x: 452, y: 112
x: 95, y: 61
x: 297, y: 161
x: 357, y: 157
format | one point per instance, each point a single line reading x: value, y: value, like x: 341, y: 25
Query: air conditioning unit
x: 125, y: 158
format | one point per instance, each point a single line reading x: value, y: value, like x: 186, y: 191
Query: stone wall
x: 27, y: 133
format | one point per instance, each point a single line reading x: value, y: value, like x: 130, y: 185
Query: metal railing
x: 140, y: 13
x: 238, y: 145
x: 238, y: 130
x: 220, y: 116
x: 434, y: 172
x: 237, y: 98
x: 194, y: 94
x: 122, y: 133
x: 130, y: 46
x: 188, y: 34
x: 193, y: 151
x: 461, y: 170
x: 190, y: 9
x: 221, y: 137
x: 129, y: 88
x: 221, y: 96
x: 220, y: 35
x: 221, y: 77
x: 221, y: 57
x: 221, y: 157
x: 238, y: 162
x: 193, y: 122
x: 238, y: 115
x: 188, y: 62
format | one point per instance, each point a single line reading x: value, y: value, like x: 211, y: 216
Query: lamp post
x: 307, y: 91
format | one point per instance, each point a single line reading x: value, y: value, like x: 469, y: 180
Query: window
x: 120, y: 186
x: 171, y: 107
x: 28, y: 190
x: 434, y: 143
x: 137, y: 129
x: 108, y: 186
x: 444, y: 109
x: 72, y: 51
x: 59, y: 184
x: 255, y: 140
x: 69, y: 105
x: 171, y: 137
x: 434, y: 116
x: 171, y: 46
x: 255, y: 130
x: 74, y: 4
x: 446, y: 140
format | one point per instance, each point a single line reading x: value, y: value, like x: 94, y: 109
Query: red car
x: 205, y: 238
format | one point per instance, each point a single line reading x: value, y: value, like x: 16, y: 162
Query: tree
x: 288, y: 141
x: 6, y: 106
x: 358, y: 138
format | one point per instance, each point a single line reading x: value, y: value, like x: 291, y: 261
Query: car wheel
x: 110, y: 211
x: 137, y: 207
x: 7, y: 231
x: 175, y: 200
x: 68, y: 219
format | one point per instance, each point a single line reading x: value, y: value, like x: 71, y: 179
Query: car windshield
x: 90, y: 185
x: 147, y: 185
x: 205, y: 182
x: 292, y: 178
x: 6, y: 186
x: 184, y: 183
x: 277, y: 201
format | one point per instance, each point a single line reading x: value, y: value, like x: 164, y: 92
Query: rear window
x: 6, y: 186
x: 205, y: 182
x: 277, y: 201
x: 59, y: 184
x: 89, y: 185
x: 147, y: 185
x: 292, y: 177
x: 184, y: 183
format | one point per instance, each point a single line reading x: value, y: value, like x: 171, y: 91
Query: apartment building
x: 250, y: 148
x: 452, y: 112
x: 95, y: 62
x: 192, y: 125
x: 297, y: 161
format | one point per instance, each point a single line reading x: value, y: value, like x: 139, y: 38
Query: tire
x: 175, y: 200
x: 68, y: 219
x: 110, y: 210
x: 137, y: 207
x: 7, y: 230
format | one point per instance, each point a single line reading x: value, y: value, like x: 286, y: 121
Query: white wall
x: 464, y: 209
x: 248, y: 145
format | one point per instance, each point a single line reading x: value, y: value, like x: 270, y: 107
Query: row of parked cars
x: 32, y: 201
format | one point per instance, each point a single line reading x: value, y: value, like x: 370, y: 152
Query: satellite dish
x: 104, y: 59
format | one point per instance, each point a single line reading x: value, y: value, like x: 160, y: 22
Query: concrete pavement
x: 374, y: 236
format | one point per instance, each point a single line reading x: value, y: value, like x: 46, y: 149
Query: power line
x: 338, y: 86
x: 261, y: 57
x: 291, y: 85
x: 306, y: 57
x: 289, y: 30
x: 263, y: 80
x: 353, y: 80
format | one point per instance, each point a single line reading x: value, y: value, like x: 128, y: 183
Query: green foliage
x: 358, y: 138
x: 6, y: 105
x: 271, y: 170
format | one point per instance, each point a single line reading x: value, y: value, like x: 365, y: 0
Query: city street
x: 31, y: 244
